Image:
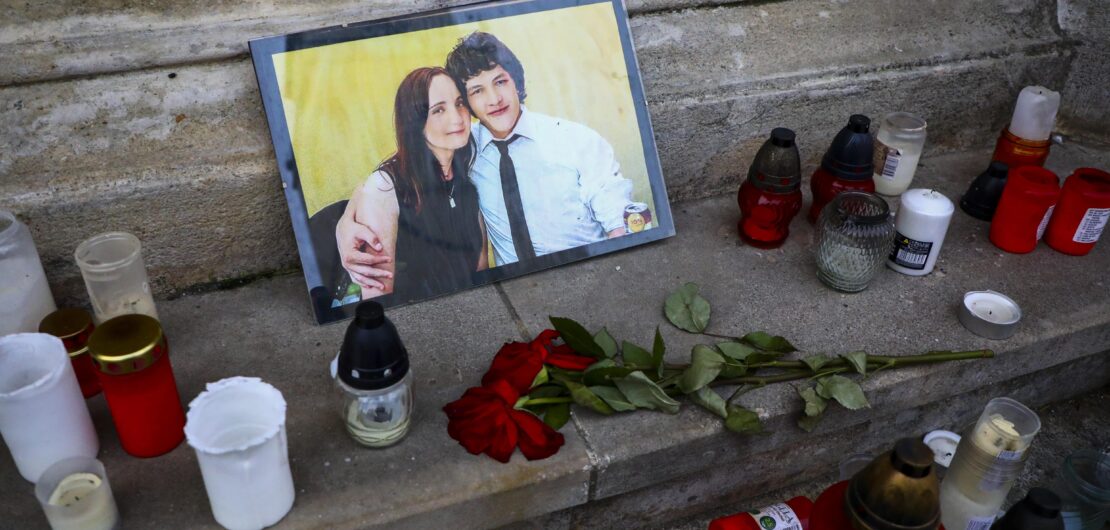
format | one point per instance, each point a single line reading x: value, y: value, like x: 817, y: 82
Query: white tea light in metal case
x: 989, y: 314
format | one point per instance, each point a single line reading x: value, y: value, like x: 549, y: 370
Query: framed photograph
x: 430, y: 153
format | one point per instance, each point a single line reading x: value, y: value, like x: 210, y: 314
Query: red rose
x: 519, y: 362
x: 483, y: 420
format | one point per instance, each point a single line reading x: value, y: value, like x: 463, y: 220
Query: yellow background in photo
x: 338, y: 98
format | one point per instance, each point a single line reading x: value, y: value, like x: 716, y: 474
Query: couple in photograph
x: 522, y: 182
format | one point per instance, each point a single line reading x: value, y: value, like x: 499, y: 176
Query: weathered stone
x: 1084, y: 108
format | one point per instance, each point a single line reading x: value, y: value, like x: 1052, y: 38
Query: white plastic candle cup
x: 920, y: 227
x: 898, y: 147
x: 237, y: 427
x: 75, y: 495
x: 25, y: 297
x: 43, y: 417
x: 1035, y: 113
x: 112, y: 265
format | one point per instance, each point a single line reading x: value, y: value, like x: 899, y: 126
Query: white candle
x: 920, y: 227
x: 25, y: 297
x: 75, y: 495
x: 43, y: 417
x: 898, y: 146
x: 989, y: 314
x: 237, y: 427
x: 1035, y: 113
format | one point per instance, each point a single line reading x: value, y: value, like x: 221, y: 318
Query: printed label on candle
x: 980, y: 523
x: 886, y: 160
x: 910, y: 253
x: 1044, y: 222
x: 1090, y: 228
x: 777, y: 517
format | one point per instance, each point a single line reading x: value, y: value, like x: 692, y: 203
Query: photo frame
x: 381, y: 178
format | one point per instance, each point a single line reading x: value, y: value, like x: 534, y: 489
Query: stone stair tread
x: 265, y: 329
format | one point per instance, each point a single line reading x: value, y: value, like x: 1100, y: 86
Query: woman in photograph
x: 419, y: 201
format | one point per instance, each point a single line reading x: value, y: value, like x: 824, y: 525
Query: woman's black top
x: 438, y: 247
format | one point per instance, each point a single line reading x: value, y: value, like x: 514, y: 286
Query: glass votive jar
x: 854, y: 234
x: 75, y: 326
x: 43, y: 417
x: 237, y: 428
x: 1084, y: 489
x: 133, y: 365
x: 112, y: 266
x: 898, y: 146
x: 75, y: 495
x: 24, y: 294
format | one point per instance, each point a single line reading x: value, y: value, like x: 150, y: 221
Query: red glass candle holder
x: 770, y: 197
x: 1082, y: 212
x: 848, y: 165
x: 74, y: 327
x: 1015, y: 151
x: 826, y: 186
x: 1025, y: 209
x: 133, y: 366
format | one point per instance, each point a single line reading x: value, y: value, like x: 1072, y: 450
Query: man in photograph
x: 544, y: 184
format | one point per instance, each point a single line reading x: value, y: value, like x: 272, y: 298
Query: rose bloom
x: 483, y: 420
x: 519, y: 362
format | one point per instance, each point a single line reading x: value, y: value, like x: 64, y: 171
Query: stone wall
x: 146, y: 117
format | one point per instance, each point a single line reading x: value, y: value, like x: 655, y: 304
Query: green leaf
x: 815, y: 404
x: 845, y: 391
x: 743, y: 421
x: 547, y: 391
x: 710, y: 400
x: 658, y: 351
x: 605, y: 375
x: 815, y: 362
x: 613, y: 397
x: 705, y: 364
x: 858, y: 360
x: 686, y: 310
x: 576, y: 337
x: 604, y: 363
x: 541, y: 378
x: 583, y: 396
x: 808, y: 423
x: 606, y: 342
x: 766, y: 341
x: 644, y: 393
x: 634, y: 355
x: 729, y: 371
x: 557, y: 415
x: 562, y: 376
x: 736, y: 350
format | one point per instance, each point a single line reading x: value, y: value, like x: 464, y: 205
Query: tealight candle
x: 989, y: 314
x: 75, y: 494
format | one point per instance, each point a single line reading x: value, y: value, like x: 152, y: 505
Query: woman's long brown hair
x: 413, y: 167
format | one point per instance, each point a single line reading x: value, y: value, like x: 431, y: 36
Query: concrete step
x: 641, y: 468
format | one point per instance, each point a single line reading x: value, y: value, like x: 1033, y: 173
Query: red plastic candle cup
x: 790, y: 515
x: 1082, y: 212
x: 1025, y: 209
x: 74, y: 327
x: 1015, y: 151
x: 133, y: 366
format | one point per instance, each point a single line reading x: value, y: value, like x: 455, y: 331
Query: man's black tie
x: 518, y: 226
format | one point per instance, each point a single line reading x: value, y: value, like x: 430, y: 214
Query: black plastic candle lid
x: 851, y: 154
x: 372, y: 356
x: 1039, y: 510
x: 782, y: 137
x: 981, y: 199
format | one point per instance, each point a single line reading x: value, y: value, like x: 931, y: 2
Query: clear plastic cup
x: 75, y: 495
x: 112, y: 265
x: 1084, y: 488
x: 43, y: 417
x: 25, y: 297
x: 237, y: 427
x: 987, y: 461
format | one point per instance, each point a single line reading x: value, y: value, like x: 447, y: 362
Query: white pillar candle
x: 43, y: 417
x: 920, y: 226
x: 25, y: 297
x: 237, y: 427
x: 1035, y: 113
x: 75, y: 495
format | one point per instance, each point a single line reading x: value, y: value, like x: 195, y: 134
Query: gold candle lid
x: 126, y: 344
x: 897, y: 491
x: 72, y: 325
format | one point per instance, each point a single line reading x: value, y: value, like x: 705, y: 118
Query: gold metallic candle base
x: 897, y: 491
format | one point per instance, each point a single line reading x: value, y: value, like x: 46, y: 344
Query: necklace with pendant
x: 451, y: 190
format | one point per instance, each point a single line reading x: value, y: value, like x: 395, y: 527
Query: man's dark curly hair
x: 479, y: 52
